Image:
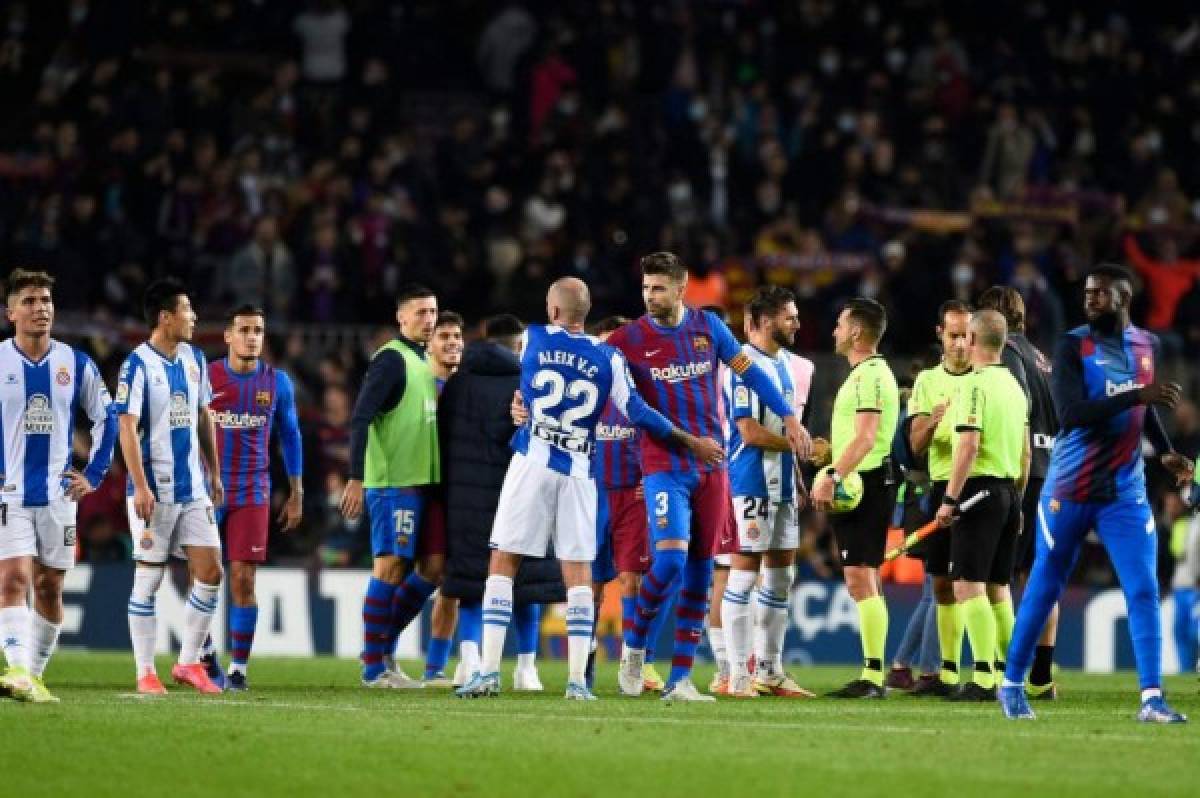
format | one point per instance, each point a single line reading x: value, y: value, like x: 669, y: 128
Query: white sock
x: 580, y: 613
x: 468, y: 651
x: 527, y: 660
x: 197, y: 620
x: 773, y: 602
x: 497, y: 612
x: 1151, y: 692
x: 735, y: 615
x: 716, y: 641
x: 45, y: 639
x: 143, y: 625
x: 15, y: 632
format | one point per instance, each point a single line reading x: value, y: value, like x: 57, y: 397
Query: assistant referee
x: 991, y: 459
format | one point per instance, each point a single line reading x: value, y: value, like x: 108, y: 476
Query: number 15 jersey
x: 566, y: 379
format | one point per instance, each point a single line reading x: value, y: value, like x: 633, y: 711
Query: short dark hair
x: 504, y: 325
x: 162, y: 296
x: 245, y: 309
x: 448, y: 318
x: 1008, y: 302
x: 20, y: 279
x: 414, y: 291
x: 667, y: 263
x: 869, y: 315
x: 609, y: 324
x: 1111, y: 271
x: 767, y: 301
x: 952, y: 306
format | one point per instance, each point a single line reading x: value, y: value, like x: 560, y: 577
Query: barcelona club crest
x: 1146, y: 362
x: 1055, y: 506
x: 62, y: 376
x: 700, y: 343
x: 262, y: 398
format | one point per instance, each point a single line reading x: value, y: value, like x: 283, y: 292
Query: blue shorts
x: 694, y: 506
x: 604, y: 569
x: 396, y: 516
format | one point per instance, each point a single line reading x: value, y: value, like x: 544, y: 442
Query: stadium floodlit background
x: 314, y: 156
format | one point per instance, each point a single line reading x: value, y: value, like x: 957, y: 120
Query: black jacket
x: 475, y: 428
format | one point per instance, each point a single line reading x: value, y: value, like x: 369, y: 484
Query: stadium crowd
x: 315, y: 156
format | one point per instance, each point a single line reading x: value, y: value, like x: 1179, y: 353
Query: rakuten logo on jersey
x: 678, y: 373
x: 227, y: 419
x: 614, y: 432
x: 1114, y: 388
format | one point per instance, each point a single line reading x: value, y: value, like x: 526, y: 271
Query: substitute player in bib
x: 932, y: 434
x: 1032, y: 370
x: 673, y: 352
x: 763, y: 472
x: 991, y: 460
x: 166, y: 430
x: 865, y: 411
x: 549, y: 492
x: 249, y: 397
x: 394, y: 458
x: 45, y: 382
x: 1104, y: 391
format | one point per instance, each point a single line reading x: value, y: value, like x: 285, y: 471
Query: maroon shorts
x: 629, y: 530
x: 727, y: 537
x: 246, y: 530
x: 432, y: 540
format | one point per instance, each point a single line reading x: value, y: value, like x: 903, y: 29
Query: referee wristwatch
x: 834, y: 476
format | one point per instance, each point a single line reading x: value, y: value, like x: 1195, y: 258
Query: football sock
x: 208, y: 646
x: 377, y: 621
x: 528, y: 620
x: 1006, y: 619
x: 732, y: 640
x: 981, y: 631
x: 1043, y: 666
x: 665, y: 613
x: 950, y: 636
x: 580, y: 611
x: 628, y: 608
x: 772, y: 617
x: 497, y: 612
x: 668, y: 563
x: 690, y: 613
x: 242, y: 622
x: 873, y: 625
x: 15, y: 631
x: 197, y: 619
x: 143, y: 627
x: 45, y: 638
x: 470, y: 634
x: 437, y: 656
x: 407, y: 602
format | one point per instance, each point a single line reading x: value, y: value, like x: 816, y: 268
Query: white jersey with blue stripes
x: 754, y: 471
x: 38, y: 400
x: 566, y: 378
x: 166, y: 395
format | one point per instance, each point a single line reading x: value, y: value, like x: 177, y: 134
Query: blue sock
x: 470, y: 621
x: 377, y: 622
x: 1184, y: 627
x: 664, y: 614
x: 409, y: 599
x: 668, y: 564
x: 242, y: 621
x: 690, y: 612
x: 628, y: 610
x: 528, y: 619
x: 437, y: 656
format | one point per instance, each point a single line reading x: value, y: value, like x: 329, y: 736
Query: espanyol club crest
x: 193, y: 374
x: 62, y: 376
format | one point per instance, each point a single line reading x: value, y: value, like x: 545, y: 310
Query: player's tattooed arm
x: 706, y: 449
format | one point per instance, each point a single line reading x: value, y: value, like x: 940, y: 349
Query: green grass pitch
x: 308, y: 729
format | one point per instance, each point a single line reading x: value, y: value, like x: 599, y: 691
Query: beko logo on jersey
x: 1114, y: 388
x: 227, y: 419
x: 614, y: 432
x: 678, y: 373
x: 39, y: 418
x: 179, y: 416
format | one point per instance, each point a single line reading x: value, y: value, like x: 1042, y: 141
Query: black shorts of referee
x: 983, y: 540
x: 1027, y: 540
x: 861, y: 534
x: 935, y: 549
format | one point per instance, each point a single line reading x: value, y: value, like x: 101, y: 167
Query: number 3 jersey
x: 566, y: 379
x: 166, y: 396
x: 37, y: 410
x: 753, y: 470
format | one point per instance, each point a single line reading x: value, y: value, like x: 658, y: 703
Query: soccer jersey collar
x: 171, y: 360
x: 243, y: 375
x: 30, y: 360
x: 967, y: 370
x: 687, y: 312
x: 413, y: 345
x: 867, y: 359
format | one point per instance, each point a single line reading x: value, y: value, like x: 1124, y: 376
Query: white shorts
x: 45, y: 533
x: 172, y: 527
x: 764, y: 525
x: 538, y: 507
